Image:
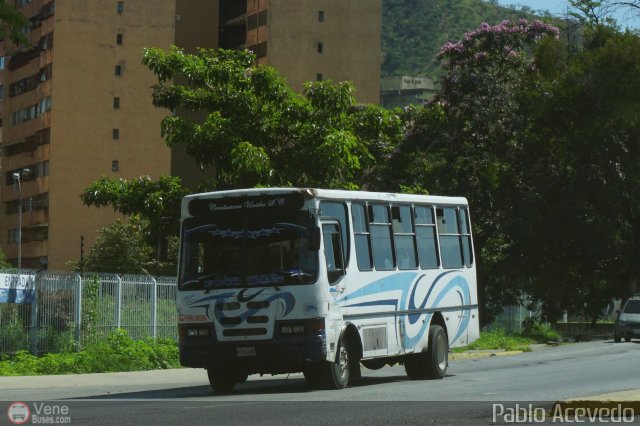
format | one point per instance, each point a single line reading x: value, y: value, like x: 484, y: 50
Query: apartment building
x: 76, y: 103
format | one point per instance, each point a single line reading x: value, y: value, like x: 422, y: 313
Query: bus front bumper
x: 282, y: 354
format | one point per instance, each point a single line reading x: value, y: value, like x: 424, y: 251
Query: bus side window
x: 404, y: 237
x: 381, y: 243
x: 449, y: 234
x: 426, y: 237
x: 466, y: 237
x: 333, y: 252
x: 362, y: 237
x: 338, y: 211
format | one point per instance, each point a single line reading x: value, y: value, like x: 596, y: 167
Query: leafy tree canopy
x: 158, y: 203
x: 257, y: 131
x: 12, y: 23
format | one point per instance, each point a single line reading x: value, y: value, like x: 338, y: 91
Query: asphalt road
x: 470, y: 394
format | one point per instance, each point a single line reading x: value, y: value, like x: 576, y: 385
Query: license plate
x: 246, y: 351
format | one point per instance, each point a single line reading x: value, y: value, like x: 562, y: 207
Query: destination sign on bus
x: 200, y: 207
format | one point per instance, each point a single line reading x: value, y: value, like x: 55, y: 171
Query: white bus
x: 318, y: 281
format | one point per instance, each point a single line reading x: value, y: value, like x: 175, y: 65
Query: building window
x: 120, y: 7
x: 115, y: 166
x: 252, y: 22
x: 262, y: 18
x: 118, y: 70
x: 119, y: 38
x: 116, y: 134
x: 319, y: 76
x: 321, y: 16
x: 12, y: 235
x: 116, y: 102
x: 320, y: 47
x: 3, y: 61
x: 260, y: 49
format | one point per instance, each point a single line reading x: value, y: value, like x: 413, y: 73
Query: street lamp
x: 17, y: 179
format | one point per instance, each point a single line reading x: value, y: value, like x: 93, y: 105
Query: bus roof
x: 326, y: 194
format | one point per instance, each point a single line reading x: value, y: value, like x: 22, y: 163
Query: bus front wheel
x: 337, y: 373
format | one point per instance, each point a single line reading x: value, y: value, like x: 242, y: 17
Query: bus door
x: 334, y: 254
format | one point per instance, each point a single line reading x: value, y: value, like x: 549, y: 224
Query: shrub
x: 539, y: 332
x: 118, y: 352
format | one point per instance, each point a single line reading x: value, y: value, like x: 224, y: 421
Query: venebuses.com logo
x: 18, y: 413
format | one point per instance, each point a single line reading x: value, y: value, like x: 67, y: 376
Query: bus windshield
x: 239, y: 250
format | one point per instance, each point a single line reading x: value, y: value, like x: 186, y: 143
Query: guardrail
x: 55, y: 311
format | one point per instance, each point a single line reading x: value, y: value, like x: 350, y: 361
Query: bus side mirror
x: 314, y: 239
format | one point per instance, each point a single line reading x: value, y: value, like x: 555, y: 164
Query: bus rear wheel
x: 433, y: 363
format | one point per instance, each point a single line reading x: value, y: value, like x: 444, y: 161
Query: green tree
x: 158, y: 203
x: 119, y: 248
x: 256, y: 131
x: 11, y: 24
x: 4, y: 264
x: 580, y: 201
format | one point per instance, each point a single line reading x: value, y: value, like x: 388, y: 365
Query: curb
x: 612, y: 404
x: 475, y: 355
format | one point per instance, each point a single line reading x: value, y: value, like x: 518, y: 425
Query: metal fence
x: 65, y: 311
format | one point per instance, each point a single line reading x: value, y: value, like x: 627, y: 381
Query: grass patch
x: 533, y: 332
x: 118, y: 352
x: 499, y: 339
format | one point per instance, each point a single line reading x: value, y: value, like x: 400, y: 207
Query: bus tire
x: 433, y: 363
x: 437, y: 352
x: 337, y: 373
x: 222, y: 380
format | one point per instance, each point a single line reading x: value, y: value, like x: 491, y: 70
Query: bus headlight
x: 198, y: 332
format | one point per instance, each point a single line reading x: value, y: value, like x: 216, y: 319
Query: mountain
x: 414, y: 30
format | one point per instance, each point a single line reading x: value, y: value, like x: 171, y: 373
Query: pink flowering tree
x: 465, y: 141
x: 488, y: 68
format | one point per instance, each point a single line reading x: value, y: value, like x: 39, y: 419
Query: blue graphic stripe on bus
x: 413, y: 318
x: 242, y: 298
x: 288, y: 298
x: 209, y: 298
x: 404, y: 282
x: 456, y: 282
x: 399, y: 281
x: 391, y: 302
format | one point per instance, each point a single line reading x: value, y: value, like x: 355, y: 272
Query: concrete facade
x: 80, y: 108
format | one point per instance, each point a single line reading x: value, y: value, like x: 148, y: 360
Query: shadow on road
x: 252, y: 387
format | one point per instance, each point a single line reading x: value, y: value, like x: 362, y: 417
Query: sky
x: 559, y: 8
